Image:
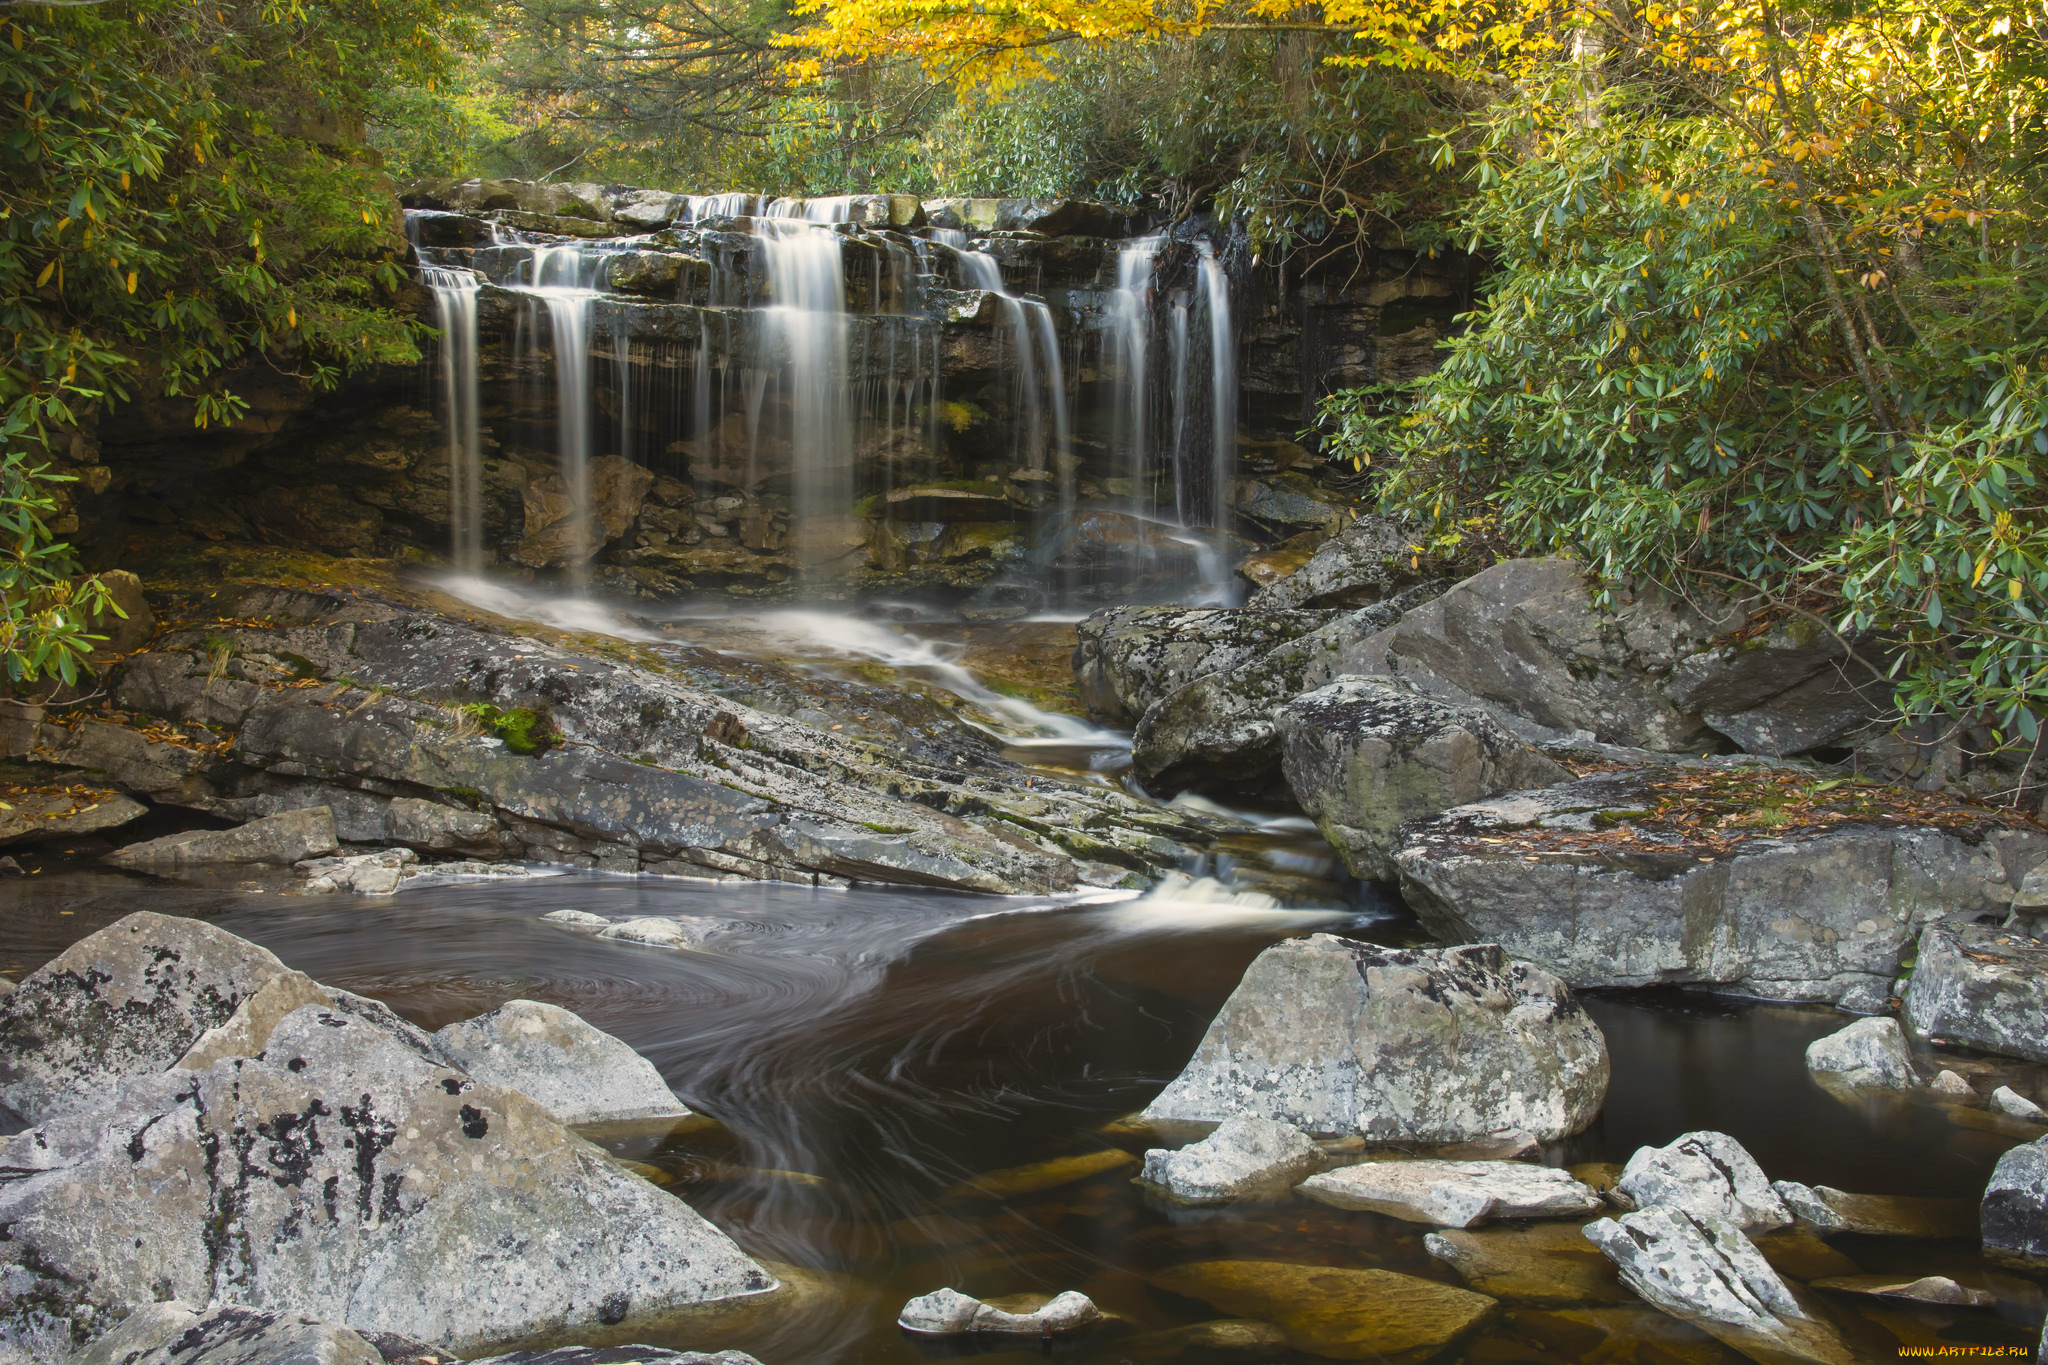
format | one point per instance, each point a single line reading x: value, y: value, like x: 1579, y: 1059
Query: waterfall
x: 1215, y: 291
x: 1131, y: 338
x: 565, y: 281
x: 1034, y: 337
x: 455, y: 309
x: 806, y: 317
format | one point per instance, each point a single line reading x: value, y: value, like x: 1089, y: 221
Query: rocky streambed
x: 518, y: 975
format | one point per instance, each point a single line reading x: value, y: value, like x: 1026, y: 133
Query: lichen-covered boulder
x: 2014, y: 1218
x: 573, y: 1069
x: 1364, y: 755
x: 1216, y: 733
x: 1525, y: 635
x: 1707, y: 1174
x: 1702, y: 1270
x: 1373, y: 558
x: 177, y: 1334
x: 1696, y: 873
x: 1127, y: 658
x: 1980, y: 987
x: 344, y: 1174
x: 1414, y: 1045
x: 126, y: 1001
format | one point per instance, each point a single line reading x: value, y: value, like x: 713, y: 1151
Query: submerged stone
x: 1550, y: 1263
x: 1829, y: 1210
x: 1338, y: 1314
x: 1935, y: 1289
x: 1012, y: 1181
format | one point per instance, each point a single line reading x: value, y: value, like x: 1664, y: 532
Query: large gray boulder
x: 1793, y: 688
x: 1370, y: 560
x: 2014, y: 1218
x: 1702, y: 1270
x: 1975, y: 986
x: 1245, y: 1157
x: 1216, y: 733
x: 177, y: 1334
x: 1399, y: 1045
x: 345, y: 1175
x: 571, y: 1068
x: 1127, y: 658
x: 279, y: 840
x: 1364, y: 755
x: 1586, y: 880
x: 1706, y: 1174
x: 1525, y: 635
x: 126, y: 1001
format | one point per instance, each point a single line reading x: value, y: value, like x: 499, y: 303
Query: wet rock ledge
x: 455, y: 737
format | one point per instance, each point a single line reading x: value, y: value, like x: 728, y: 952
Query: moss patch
x: 525, y: 729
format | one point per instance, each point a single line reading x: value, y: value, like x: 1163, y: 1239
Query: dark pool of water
x: 865, y: 1052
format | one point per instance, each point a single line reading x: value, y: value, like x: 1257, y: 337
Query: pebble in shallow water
x: 948, y: 1312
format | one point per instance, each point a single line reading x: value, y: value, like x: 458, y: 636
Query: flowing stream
x: 866, y: 1052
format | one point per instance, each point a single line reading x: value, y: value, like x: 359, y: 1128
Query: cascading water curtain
x: 455, y: 309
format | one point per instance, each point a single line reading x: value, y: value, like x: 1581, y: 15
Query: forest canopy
x: 1765, y: 282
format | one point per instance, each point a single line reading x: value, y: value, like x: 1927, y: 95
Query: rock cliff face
x: 700, y: 491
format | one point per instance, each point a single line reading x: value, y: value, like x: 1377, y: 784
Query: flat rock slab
x: 65, y: 813
x: 1399, y: 1045
x: 1454, y: 1194
x: 126, y: 1001
x: 1678, y: 875
x: 1013, y: 1182
x: 1934, y: 1289
x: 1336, y: 1313
x: 280, y: 840
x: 1224, y: 1341
x: 1976, y: 986
x: 1551, y: 1263
x: 573, y: 1069
x: 1829, y: 1210
x: 1244, y: 1158
x: 363, y: 1183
